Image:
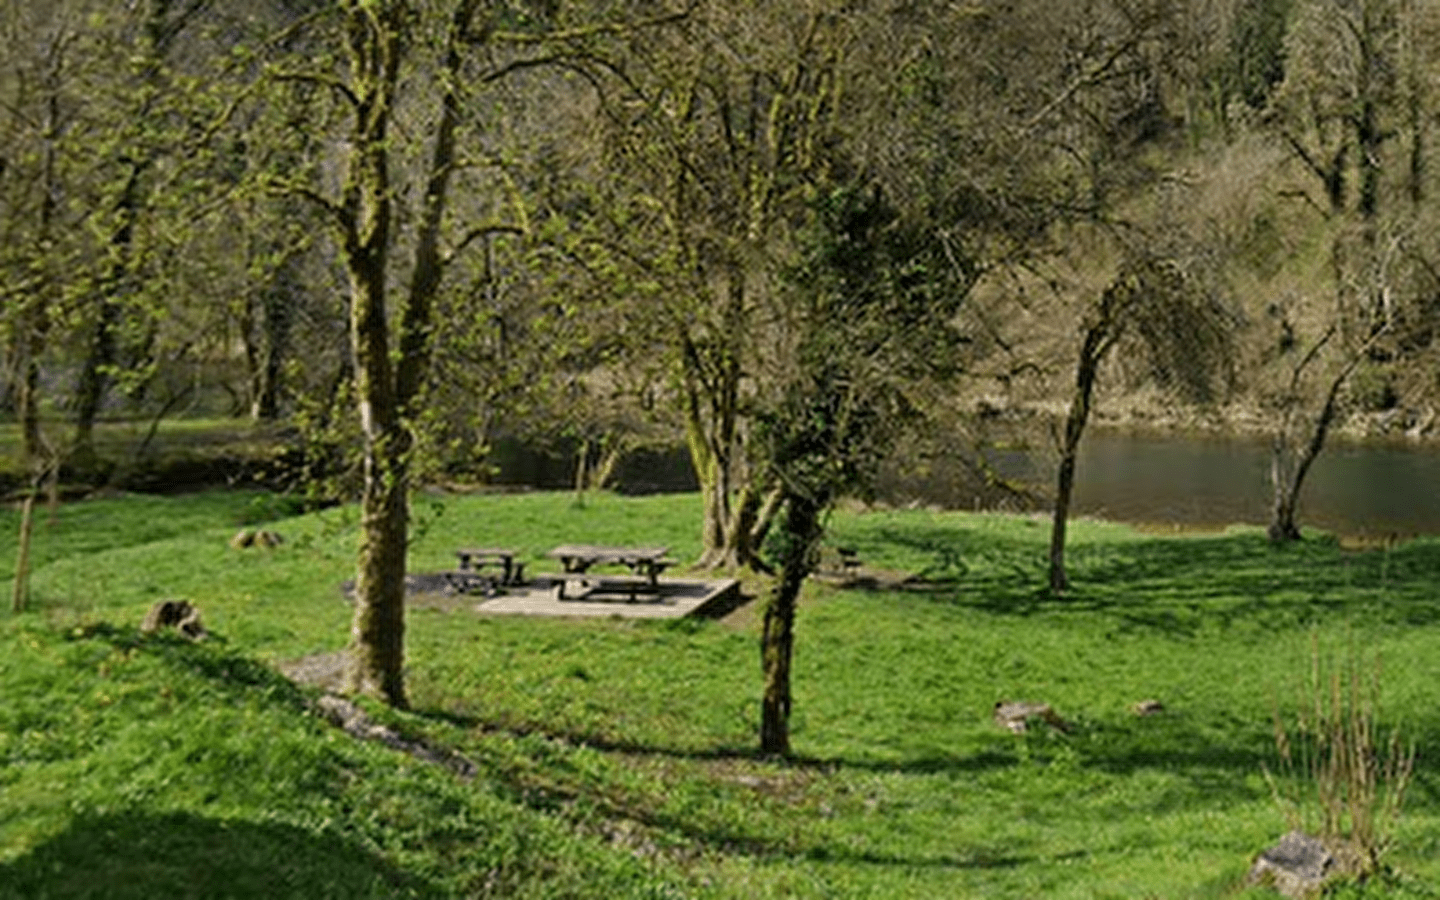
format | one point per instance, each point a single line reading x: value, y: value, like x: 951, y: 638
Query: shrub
x: 1347, y: 779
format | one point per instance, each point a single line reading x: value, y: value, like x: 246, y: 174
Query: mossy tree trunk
x: 802, y: 535
x: 389, y: 384
x: 713, y: 437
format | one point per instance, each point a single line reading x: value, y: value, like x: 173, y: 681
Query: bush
x: 1349, y: 779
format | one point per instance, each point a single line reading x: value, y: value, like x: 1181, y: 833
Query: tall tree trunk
x: 802, y: 527
x: 378, y: 629
x: 709, y: 435
x: 387, y: 394
x: 714, y: 435
x: 1285, y: 492
x: 94, y: 380
x: 277, y: 315
x: 250, y: 347
x: 1368, y: 139
x: 1415, y: 112
x: 1099, y: 337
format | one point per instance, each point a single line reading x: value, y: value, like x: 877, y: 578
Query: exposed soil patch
x: 322, y: 670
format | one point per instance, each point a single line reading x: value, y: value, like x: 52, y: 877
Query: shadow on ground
x: 146, y: 855
x: 1177, y: 586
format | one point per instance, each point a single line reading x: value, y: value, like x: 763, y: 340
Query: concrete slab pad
x: 677, y: 598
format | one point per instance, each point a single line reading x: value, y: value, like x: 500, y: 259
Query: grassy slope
x: 601, y: 743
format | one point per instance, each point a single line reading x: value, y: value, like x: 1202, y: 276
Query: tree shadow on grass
x: 211, y: 659
x: 740, y: 772
x: 1176, y: 586
x: 151, y: 856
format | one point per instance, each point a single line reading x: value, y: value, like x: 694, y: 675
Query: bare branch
x: 577, y: 34
x: 520, y: 65
x: 325, y: 81
x: 1095, y: 75
x: 475, y: 234
x: 285, y: 187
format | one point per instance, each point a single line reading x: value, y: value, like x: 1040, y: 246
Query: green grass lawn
x: 615, y: 757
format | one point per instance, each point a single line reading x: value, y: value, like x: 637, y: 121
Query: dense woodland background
x: 637, y: 189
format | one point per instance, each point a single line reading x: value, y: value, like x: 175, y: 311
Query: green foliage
x: 1257, y: 50
x: 1372, y: 388
x: 872, y: 317
x: 1187, y: 328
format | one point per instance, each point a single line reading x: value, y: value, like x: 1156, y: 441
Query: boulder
x: 1015, y: 716
x: 1147, y: 708
x: 1297, y: 867
x: 182, y: 615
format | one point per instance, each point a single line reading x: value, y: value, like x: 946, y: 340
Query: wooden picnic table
x: 645, y: 565
x: 478, y: 558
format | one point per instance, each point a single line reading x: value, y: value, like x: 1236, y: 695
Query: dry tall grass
x: 1342, y: 777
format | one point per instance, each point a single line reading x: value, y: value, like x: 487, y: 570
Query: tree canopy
x: 776, y: 235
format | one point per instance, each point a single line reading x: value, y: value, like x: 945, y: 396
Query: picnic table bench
x: 471, y: 576
x: 645, y: 565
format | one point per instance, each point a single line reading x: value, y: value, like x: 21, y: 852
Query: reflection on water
x: 1201, y: 481
x: 1183, y: 480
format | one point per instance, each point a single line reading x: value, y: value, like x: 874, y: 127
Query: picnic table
x: 476, y: 559
x: 645, y: 565
x: 472, y: 574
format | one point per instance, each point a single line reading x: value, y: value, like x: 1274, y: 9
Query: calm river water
x: 1370, y: 488
x: 1192, y: 481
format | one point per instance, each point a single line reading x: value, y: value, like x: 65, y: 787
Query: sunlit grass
x: 636, y: 738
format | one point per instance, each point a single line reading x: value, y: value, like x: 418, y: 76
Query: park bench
x: 473, y: 575
x: 576, y: 560
x: 633, y: 587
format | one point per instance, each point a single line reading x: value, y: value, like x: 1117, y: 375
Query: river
x: 1364, y: 489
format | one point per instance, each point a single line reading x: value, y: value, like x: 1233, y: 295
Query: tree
x: 378, y: 37
x: 137, y: 138
x: 1256, y: 51
x: 31, y: 178
x: 1355, y: 83
x: 1289, y: 464
x: 1047, y: 202
x: 36, y: 168
x: 717, y: 134
x: 1168, y: 311
x: 860, y: 323
x: 391, y: 79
